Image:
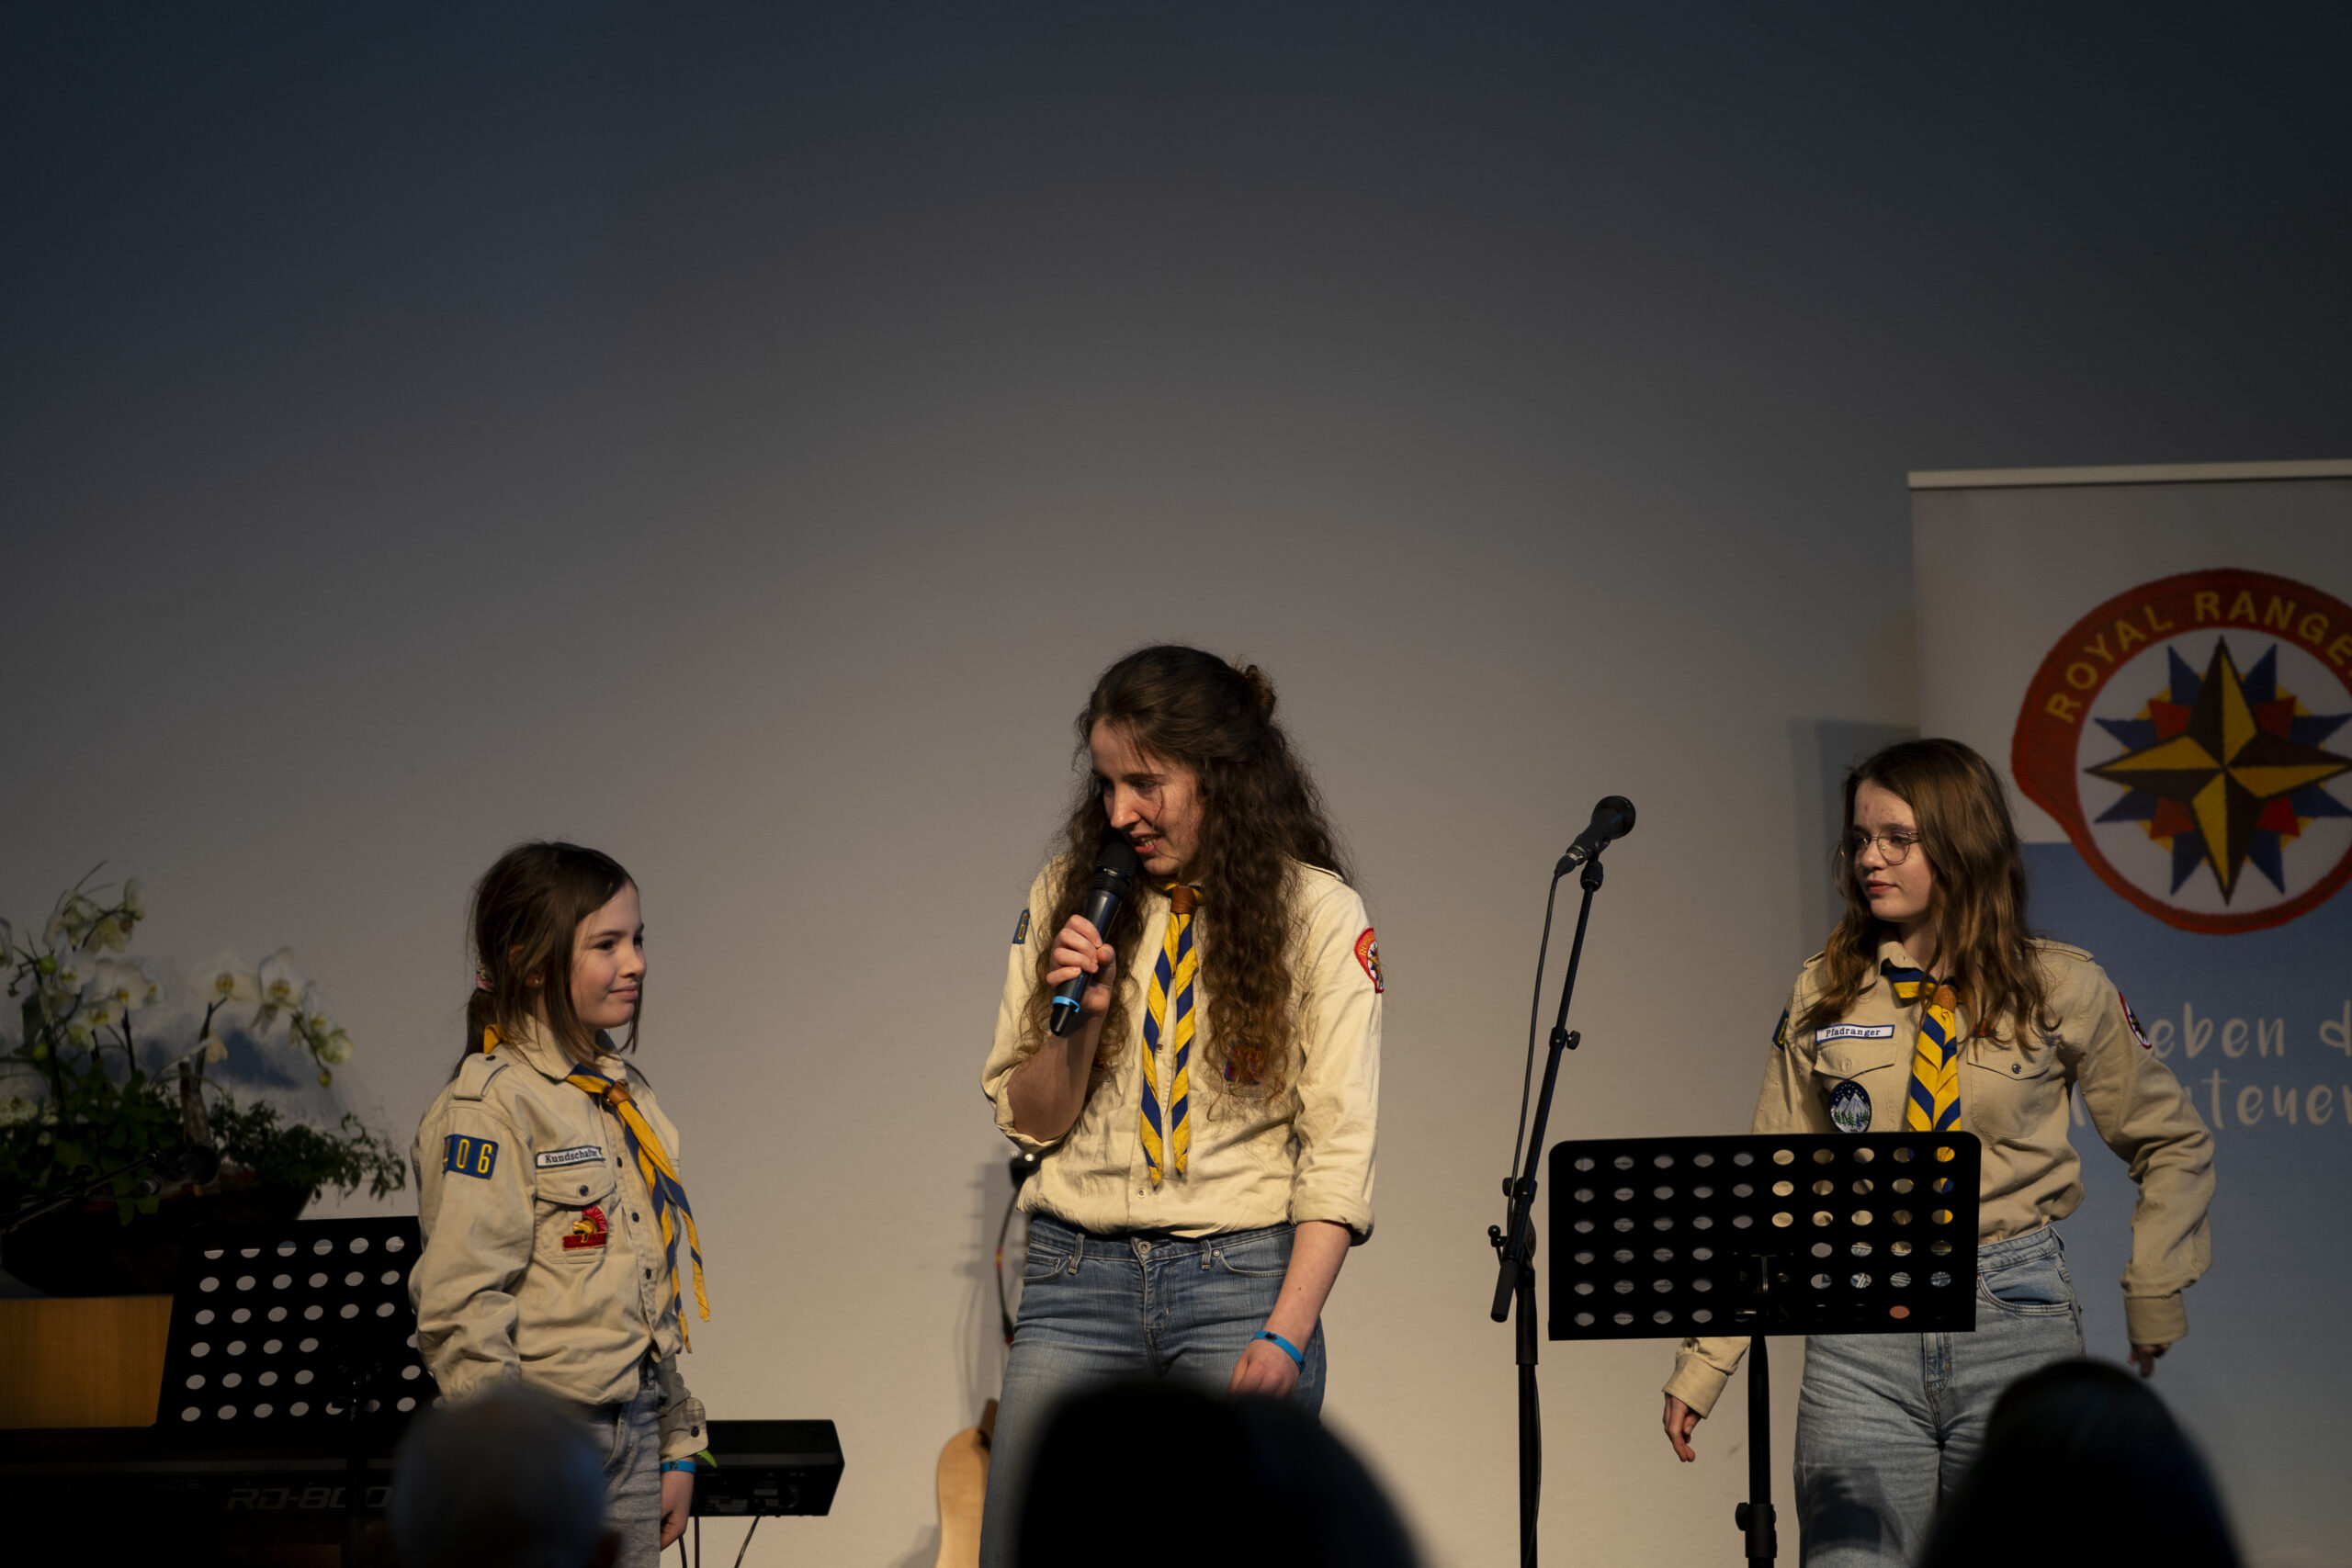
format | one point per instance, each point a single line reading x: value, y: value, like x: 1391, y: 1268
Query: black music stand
x: 1802, y: 1232
x: 297, y: 1334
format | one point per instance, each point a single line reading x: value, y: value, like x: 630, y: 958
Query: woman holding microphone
x: 1204, y: 1134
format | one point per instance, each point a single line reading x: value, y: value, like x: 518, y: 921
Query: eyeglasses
x: 1894, y: 849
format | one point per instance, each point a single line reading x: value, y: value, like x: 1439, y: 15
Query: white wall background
x: 736, y: 444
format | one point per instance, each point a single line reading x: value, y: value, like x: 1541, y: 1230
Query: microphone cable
x: 1534, y: 1022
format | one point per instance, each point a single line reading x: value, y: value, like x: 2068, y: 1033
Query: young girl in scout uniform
x: 1932, y: 1009
x: 557, y: 1241
x: 1204, y: 1134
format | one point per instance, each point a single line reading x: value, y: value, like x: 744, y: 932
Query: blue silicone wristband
x: 669, y: 1465
x: 1289, y: 1349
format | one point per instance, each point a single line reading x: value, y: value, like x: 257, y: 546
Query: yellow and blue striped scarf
x: 1933, y: 1103
x: 1172, y: 978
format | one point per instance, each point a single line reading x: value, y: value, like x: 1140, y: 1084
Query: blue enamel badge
x: 1850, y: 1106
x: 469, y: 1157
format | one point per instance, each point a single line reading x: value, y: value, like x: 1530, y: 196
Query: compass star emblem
x: 2223, y: 767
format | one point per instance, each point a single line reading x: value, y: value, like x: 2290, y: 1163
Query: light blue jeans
x: 1105, y: 1309
x: 1888, y: 1424
x: 628, y: 1439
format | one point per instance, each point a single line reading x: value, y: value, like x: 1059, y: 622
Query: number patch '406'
x: 469, y: 1155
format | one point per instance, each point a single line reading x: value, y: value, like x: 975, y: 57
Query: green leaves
x: 75, y: 1007
x: 298, y: 1156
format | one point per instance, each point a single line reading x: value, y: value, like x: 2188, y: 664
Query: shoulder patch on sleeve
x: 2132, y: 1020
x: 1020, y: 929
x: 1780, y: 1032
x: 469, y: 1155
x: 474, y: 1074
x: 1368, y: 954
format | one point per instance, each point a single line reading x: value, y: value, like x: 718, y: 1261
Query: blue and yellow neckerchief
x: 1933, y: 1103
x: 1173, y: 978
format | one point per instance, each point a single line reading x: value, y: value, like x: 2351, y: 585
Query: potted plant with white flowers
x: 113, y: 1139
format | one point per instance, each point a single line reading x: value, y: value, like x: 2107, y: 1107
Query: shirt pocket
x: 575, y: 1216
x: 1860, y: 1085
x: 2008, y: 1092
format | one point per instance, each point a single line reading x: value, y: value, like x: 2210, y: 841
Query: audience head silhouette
x: 506, y: 1480
x: 1153, y: 1475
x: 2083, y: 1464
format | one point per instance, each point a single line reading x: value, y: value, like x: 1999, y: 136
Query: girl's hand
x: 677, y: 1502
x: 1680, y: 1422
x: 1079, y: 949
x: 2145, y: 1357
x: 1264, y: 1369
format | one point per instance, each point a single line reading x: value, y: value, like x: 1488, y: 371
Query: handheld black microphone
x: 1116, y: 869
x: 1612, y: 818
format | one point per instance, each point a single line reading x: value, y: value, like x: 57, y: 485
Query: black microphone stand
x: 1514, y: 1241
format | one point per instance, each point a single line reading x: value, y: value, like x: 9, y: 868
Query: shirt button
x: 583, y: 1193
x: 634, y: 1215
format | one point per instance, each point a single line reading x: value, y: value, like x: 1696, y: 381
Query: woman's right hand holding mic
x: 1079, y: 949
x: 1050, y: 1089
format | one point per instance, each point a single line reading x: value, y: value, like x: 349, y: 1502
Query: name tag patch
x: 1850, y: 1106
x: 1853, y: 1032
x: 556, y: 1159
x: 469, y: 1155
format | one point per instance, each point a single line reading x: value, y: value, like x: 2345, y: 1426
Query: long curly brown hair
x: 1978, y: 898
x: 1259, y: 812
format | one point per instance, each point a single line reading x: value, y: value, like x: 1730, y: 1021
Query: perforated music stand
x: 299, y: 1337
x: 1806, y: 1233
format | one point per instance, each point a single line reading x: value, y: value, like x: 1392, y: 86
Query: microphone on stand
x: 1116, y: 869
x: 1612, y: 818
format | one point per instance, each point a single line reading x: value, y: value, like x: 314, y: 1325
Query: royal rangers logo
x: 2185, y: 735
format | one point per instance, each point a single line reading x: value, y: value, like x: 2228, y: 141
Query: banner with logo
x: 2161, y: 660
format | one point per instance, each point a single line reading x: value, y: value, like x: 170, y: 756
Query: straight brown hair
x: 526, y: 911
x: 1978, y: 896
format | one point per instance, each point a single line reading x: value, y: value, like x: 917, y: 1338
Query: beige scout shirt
x: 512, y: 1163
x: 1306, y: 1156
x: 2013, y: 1096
